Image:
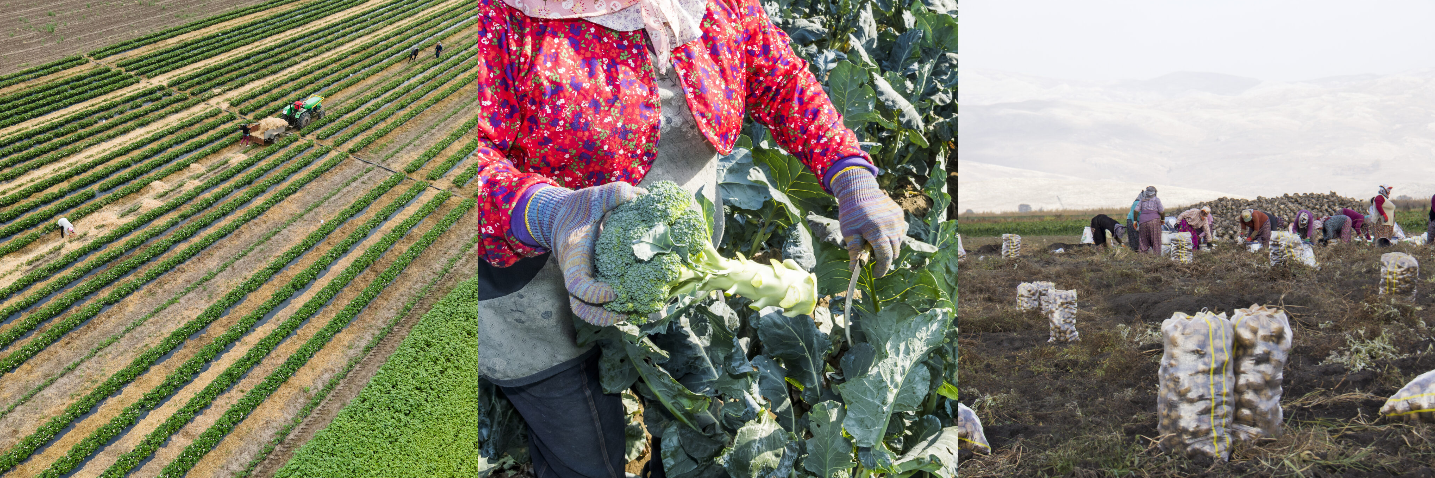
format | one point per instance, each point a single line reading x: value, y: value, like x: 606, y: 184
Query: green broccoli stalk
x: 659, y: 246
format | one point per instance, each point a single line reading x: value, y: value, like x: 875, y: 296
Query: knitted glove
x: 566, y: 222
x: 868, y: 216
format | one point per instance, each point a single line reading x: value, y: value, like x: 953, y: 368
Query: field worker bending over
x: 1337, y: 226
x: 1198, y: 223
x: 1132, y: 227
x: 1259, y: 225
x: 583, y: 101
x: 65, y: 227
x: 1305, y: 225
x: 1357, y: 220
x: 1151, y: 213
x: 1430, y: 225
x: 1101, y: 224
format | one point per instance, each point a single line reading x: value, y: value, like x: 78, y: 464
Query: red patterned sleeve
x: 784, y: 95
x: 499, y: 183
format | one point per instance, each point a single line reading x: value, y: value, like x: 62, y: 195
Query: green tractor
x: 300, y: 113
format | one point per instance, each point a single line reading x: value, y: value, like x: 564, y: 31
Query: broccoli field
x: 715, y: 388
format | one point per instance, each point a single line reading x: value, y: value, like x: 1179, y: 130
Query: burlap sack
x: 1398, y: 274
x: 961, y: 251
x: 1029, y: 295
x: 1262, y: 348
x: 1415, y: 401
x: 1285, y: 248
x: 1062, y: 316
x: 1194, y: 400
x: 969, y: 431
x: 1011, y: 246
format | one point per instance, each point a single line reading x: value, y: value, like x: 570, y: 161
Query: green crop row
x: 343, y: 115
x: 410, y: 114
x: 322, y: 393
x: 27, y: 96
x: 39, y: 71
x: 56, y: 139
x: 178, y: 337
x: 1065, y: 227
x: 15, y: 172
x: 110, y: 166
x: 55, y: 332
x: 260, y: 30
x: 176, y: 298
x: 99, y: 170
x: 468, y: 173
x: 418, y: 414
x: 180, y: 30
x: 251, y: 400
x: 192, y: 367
x: 449, y: 163
x: 311, y: 45
x: 31, y: 137
x: 52, y: 267
x: 63, y: 99
x: 394, y: 43
x: 104, y: 279
x: 418, y: 163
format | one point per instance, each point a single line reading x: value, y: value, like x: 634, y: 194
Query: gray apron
x: 528, y: 335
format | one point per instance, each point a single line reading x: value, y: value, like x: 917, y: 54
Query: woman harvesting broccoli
x: 581, y: 101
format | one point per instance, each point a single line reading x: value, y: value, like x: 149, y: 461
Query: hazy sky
x: 1269, y: 40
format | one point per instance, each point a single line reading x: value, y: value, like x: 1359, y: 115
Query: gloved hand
x: 566, y: 222
x: 868, y: 216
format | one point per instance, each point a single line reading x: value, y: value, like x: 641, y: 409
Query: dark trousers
x: 1132, y: 238
x: 574, y: 429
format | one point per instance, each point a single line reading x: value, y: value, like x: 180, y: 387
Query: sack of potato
x: 1194, y: 400
x: 1414, y: 402
x: 961, y: 251
x: 1029, y: 294
x: 1262, y: 348
x: 1285, y: 248
x: 1398, y: 273
x: 1011, y: 246
x: 1181, y: 246
x: 969, y: 431
x: 1062, y: 316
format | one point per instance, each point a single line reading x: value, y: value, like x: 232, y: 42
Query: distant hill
x: 1203, y: 131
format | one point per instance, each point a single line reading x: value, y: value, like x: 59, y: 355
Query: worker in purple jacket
x: 1150, y: 214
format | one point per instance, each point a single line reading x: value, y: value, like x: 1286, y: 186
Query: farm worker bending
x: 580, y: 102
x: 1259, y: 225
x: 1151, y: 212
x: 1101, y: 224
x: 1198, y: 223
x: 1337, y: 226
x: 1305, y: 225
x: 1133, y: 227
x: 1430, y: 225
x: 1357, y: 220
x: 65, y: 227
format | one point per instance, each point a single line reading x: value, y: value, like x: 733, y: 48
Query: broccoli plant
x: 659, y: 246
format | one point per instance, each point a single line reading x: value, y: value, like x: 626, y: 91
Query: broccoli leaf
x: 772, y: 383
x: 936, y: 455
x: 797, y: 342
x: 757, y: 450
x: 901, y: 341
x: 829, y: 454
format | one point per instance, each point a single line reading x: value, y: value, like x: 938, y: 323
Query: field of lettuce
x: 216, y: 295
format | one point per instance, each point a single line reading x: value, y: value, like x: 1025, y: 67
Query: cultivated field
x: 215, y: 294
x: 1089, y: 408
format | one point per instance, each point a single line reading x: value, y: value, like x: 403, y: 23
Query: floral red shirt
x: 570, y: 103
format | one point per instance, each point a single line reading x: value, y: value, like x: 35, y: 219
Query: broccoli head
x: 659, y: 246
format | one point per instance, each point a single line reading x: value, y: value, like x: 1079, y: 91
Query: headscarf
x: 1246, y: 215
x: 1305, y: 219
x: 669, y: 23
x: 1147, y: 197
x: 1385, y: 190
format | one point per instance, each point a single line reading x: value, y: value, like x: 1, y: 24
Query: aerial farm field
x: 1089, y: 408
x: 218, y: 302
